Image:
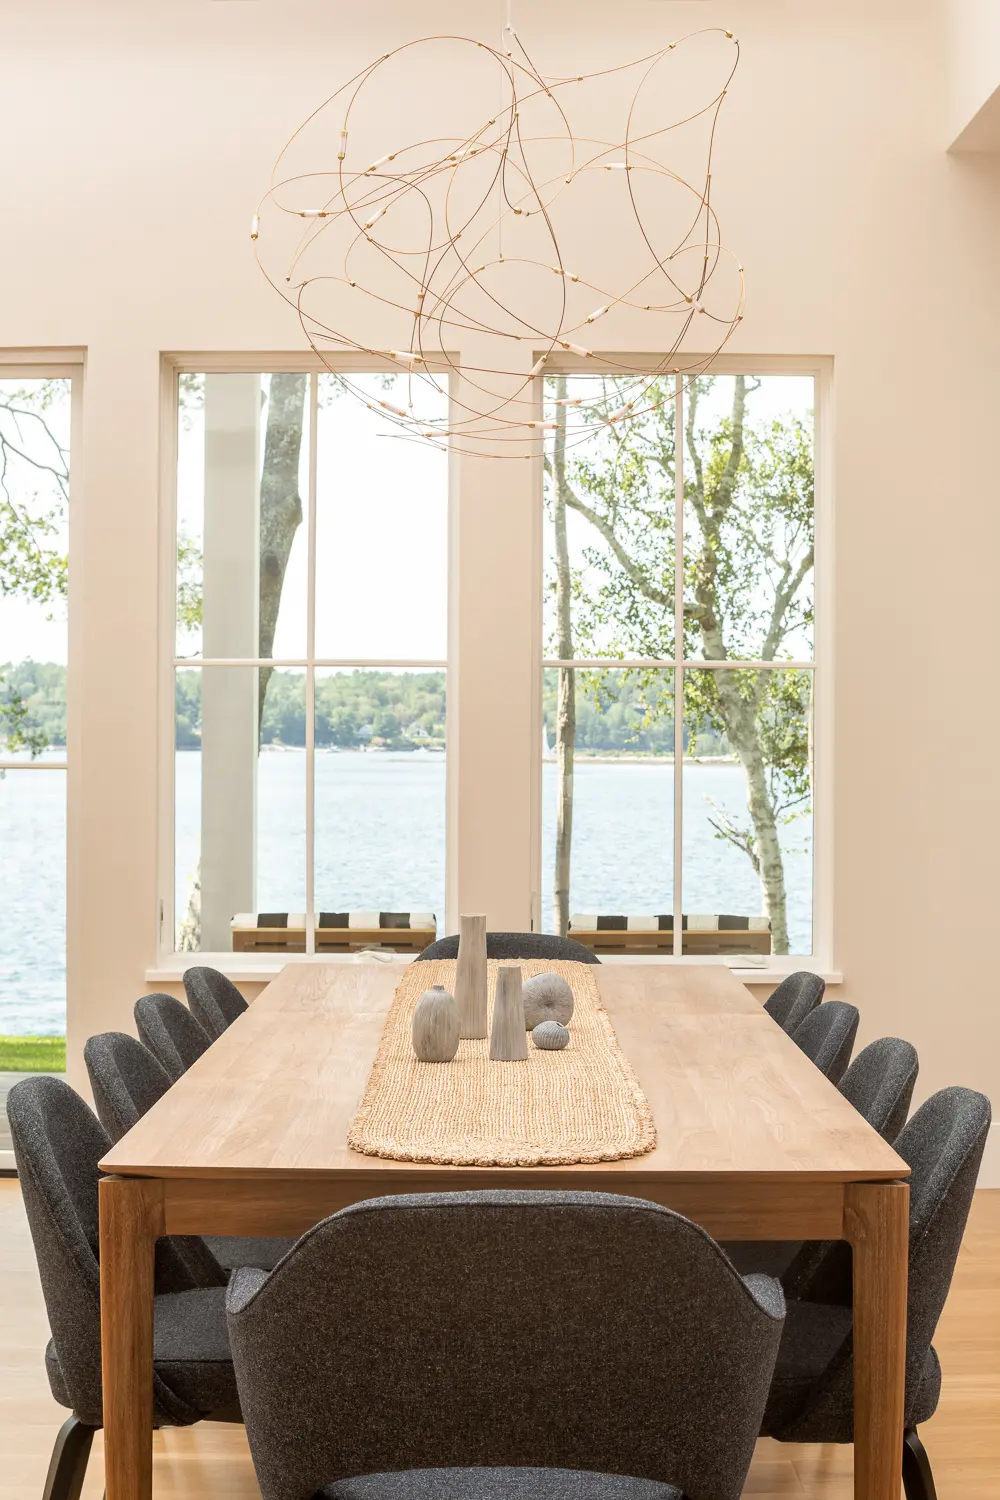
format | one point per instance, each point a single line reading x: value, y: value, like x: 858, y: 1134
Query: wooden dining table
x: 753, y: 1142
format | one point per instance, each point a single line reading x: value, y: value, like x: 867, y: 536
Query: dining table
x: 752, y: 1142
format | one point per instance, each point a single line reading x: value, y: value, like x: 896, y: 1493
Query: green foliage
x: 32, y: 705
x: 34, y: 490
x: 395, y: 710
x: 189, y: 583
x: 32, y: 1054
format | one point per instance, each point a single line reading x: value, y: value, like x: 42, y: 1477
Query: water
x: 381, y: 845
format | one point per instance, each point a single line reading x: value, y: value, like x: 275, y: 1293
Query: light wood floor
x: 211, y: 1462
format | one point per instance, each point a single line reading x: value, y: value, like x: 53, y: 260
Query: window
x: 678, y: 675
x: 309, y: 665
x: 35, y: 424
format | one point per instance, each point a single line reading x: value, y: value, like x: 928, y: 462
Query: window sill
x: 261, y: 968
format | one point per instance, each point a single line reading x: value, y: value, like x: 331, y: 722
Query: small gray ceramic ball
x: 550, y: 1036
x: 547, y: 997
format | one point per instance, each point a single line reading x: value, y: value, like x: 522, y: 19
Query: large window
x: 679, y: 667
x: 35, y: 422
x: 309, y: 667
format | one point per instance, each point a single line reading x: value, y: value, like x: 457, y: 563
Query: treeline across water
x: 617, y: 712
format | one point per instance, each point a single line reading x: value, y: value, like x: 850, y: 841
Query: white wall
x: 144, y: 135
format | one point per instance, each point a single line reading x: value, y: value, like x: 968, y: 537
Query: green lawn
x: 32, y: 1054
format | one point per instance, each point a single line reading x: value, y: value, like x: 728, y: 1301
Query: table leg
x: 876, y: 1221
x: 132, y: 1216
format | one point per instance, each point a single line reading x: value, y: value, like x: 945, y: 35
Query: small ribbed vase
x: 470, y: 975
x: 508, y: 1038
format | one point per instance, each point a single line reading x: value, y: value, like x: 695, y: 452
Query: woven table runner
x: 582, y: 1104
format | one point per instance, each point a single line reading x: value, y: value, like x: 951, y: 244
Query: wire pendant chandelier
x: 510, y: 237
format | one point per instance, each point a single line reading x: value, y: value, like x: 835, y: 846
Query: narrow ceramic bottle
x: 508, y: 1038
x: 470, y: 975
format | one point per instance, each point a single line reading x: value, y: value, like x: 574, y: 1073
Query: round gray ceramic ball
x: 550, y: 1036
x: 547, y: 997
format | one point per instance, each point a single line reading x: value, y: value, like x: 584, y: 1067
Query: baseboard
x: 989, y: 1172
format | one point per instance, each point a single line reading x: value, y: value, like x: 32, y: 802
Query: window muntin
x: 622, y: 570
x: 311, y: 572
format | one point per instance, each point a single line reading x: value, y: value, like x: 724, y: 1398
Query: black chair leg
x: 68, y: 1464
x: 918, y: 1481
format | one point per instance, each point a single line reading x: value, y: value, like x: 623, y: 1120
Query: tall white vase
x: 470, y: 975
x: 508, y: 1038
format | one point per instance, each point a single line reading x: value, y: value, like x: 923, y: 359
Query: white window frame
x: 821, y: 960
x: 521, y: 885
x: 60, y: 364
x: 171, y: 964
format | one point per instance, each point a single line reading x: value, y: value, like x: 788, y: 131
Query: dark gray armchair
x: 57, y: 1145
x: 793, y: 999
x: 127, y: 1081
x: 514, y: 945
x: 827, y: 1037
x: 214, y: 1000
x: 812, y: 1397
x: 488, y: 1336
x: 170, y: 1032
x: 879, y: 1083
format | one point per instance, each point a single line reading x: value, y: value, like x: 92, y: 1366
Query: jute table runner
x: 582, y: 1104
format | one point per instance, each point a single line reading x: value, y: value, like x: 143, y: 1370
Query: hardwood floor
x: 211, y: 1462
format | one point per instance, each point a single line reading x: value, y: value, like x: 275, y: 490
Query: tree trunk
x: 739, y: 717
x: 280, y: 507
x: 566, y: 710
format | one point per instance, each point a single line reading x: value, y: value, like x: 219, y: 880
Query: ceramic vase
x: 435, y: 1026
x: 470, y: 975
x: 508, y: 1038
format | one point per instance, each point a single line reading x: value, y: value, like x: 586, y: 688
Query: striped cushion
x: 696, y: 922
x: 370, y: 921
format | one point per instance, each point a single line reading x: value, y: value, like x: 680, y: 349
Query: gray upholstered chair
x: 793, y: 999
x: 57, y: 1145
x: 827, y: 1037
x: 517, y: 945
x: 214, y: 1000
x: 127, y: 1081
x: 879, y: 1083
x: 812, y: 1397
x: 170, y: 1032
x: 504, y: 1341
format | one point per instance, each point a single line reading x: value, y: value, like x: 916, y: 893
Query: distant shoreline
x: 582, y: 757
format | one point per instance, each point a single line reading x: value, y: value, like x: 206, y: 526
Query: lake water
x: 380, y: 845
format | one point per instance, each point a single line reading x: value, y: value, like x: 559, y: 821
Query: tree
x: 280, y: 506
x: 749, y: 555
x: 34, y: 491
x: 566, y: 711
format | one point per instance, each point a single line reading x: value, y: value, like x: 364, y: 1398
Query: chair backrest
x: 58, y: 1143
x: 515, y: 945
x: 827, y: 1036
x: 879, y: 1083
x: 127, y: 1081
x: 170, y: 1032
x: 943, y: 1145
x: 214, y: 1000
x: 793, y: 999
x: 550, y: 1329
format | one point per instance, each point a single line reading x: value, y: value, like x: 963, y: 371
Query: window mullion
x: 678, y: 882
x: 311, y: 669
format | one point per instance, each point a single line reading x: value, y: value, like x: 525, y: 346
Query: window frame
x: 172, y: 366
x: 463, y: 476
x: 62, y: 364
x: 820, y: 368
